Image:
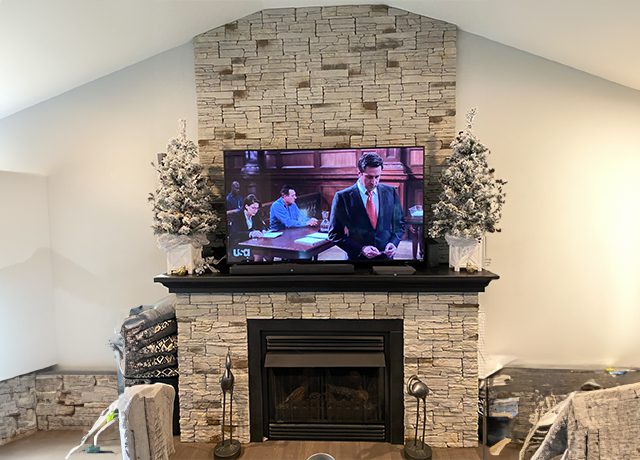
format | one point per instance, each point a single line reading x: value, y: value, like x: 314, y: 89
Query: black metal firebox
x: 326, y: 379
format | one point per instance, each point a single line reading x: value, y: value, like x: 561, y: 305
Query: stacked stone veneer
x: 53, y: 401
x: 73, y: 401
x: 17, y: 407
x: 358, y: 76
x: 440, y: 345
x: 345, y: 76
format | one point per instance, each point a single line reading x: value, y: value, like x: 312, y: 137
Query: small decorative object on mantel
x: 471, y: 201
x: 229, y: 448
x: 182, y: 205
x: 418, y: 449
x: 180, y: 271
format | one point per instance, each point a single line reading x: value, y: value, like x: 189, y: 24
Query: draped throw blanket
x: 596, y: 425
x: 146, y: 414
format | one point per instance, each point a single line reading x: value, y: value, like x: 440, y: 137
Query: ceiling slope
x: 48, y: 47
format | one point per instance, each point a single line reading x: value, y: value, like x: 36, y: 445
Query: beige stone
x: 325, y: 76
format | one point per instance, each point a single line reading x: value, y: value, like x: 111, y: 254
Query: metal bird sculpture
x: 230, y: 449
x: 226, y: 383
x: 419, y: 390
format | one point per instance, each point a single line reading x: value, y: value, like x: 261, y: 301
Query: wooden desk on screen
x: 285, y: 247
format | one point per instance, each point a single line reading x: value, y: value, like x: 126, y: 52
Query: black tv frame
x: 324, y: 266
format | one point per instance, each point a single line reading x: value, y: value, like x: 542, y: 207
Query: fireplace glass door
x: 326, y: 395
x: 332, y: 380
x: 325, y: 387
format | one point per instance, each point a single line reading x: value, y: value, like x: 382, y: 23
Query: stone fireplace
x: 439, y: 327
x: 345, y: 76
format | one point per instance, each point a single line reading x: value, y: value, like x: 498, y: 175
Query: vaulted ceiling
x: 48, y: 47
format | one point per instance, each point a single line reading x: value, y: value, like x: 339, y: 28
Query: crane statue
x: 418, y: 449
x: 230, y: 448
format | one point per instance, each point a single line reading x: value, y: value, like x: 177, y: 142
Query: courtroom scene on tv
x: 355, y: 204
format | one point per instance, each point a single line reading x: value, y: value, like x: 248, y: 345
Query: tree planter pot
x: 183, y: 255
x: 463, y: 251
x: 183, y: 252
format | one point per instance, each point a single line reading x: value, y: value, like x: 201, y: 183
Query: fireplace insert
x: 326, y: 379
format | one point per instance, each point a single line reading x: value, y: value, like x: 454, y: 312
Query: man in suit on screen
x: 366, y: 218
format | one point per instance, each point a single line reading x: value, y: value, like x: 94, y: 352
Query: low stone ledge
x: 17, y: 408
x: 72, y: 399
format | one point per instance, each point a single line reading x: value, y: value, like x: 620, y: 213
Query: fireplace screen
x: 330, y: 380
x: 326, y: 386
x: 333, y: 395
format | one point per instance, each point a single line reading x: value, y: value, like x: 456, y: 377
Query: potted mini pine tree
x: 182, y: 205
x: 470, y: 204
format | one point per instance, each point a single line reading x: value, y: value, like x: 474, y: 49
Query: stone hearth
x: 440, y: 345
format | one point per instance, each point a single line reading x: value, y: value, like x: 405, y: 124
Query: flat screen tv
x: 362, y: 205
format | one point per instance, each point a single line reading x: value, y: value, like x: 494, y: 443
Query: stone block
x: 46, y: 383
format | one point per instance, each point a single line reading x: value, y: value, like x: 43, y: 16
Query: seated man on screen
x: 366, y: 218
x: 234, y: 199
x: 286, y: 214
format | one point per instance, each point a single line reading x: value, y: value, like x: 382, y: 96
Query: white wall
x: 96, y: 144
x: 563, y: 139
x: 27, y: 332
x: 569, y: 251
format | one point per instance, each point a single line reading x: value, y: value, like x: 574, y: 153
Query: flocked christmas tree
x: 472, y: 198
x: 182, y: 203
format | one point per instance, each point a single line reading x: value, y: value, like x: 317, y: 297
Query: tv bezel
x: 420, y: 262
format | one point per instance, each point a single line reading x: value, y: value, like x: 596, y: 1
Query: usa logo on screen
x: 241, y: 252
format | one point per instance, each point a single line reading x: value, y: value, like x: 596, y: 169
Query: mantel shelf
x: 441, y: 279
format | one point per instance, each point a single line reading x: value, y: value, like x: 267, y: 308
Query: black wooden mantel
x: 441, y: 279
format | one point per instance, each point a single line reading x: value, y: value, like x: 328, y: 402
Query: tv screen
x: 326, y: 205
